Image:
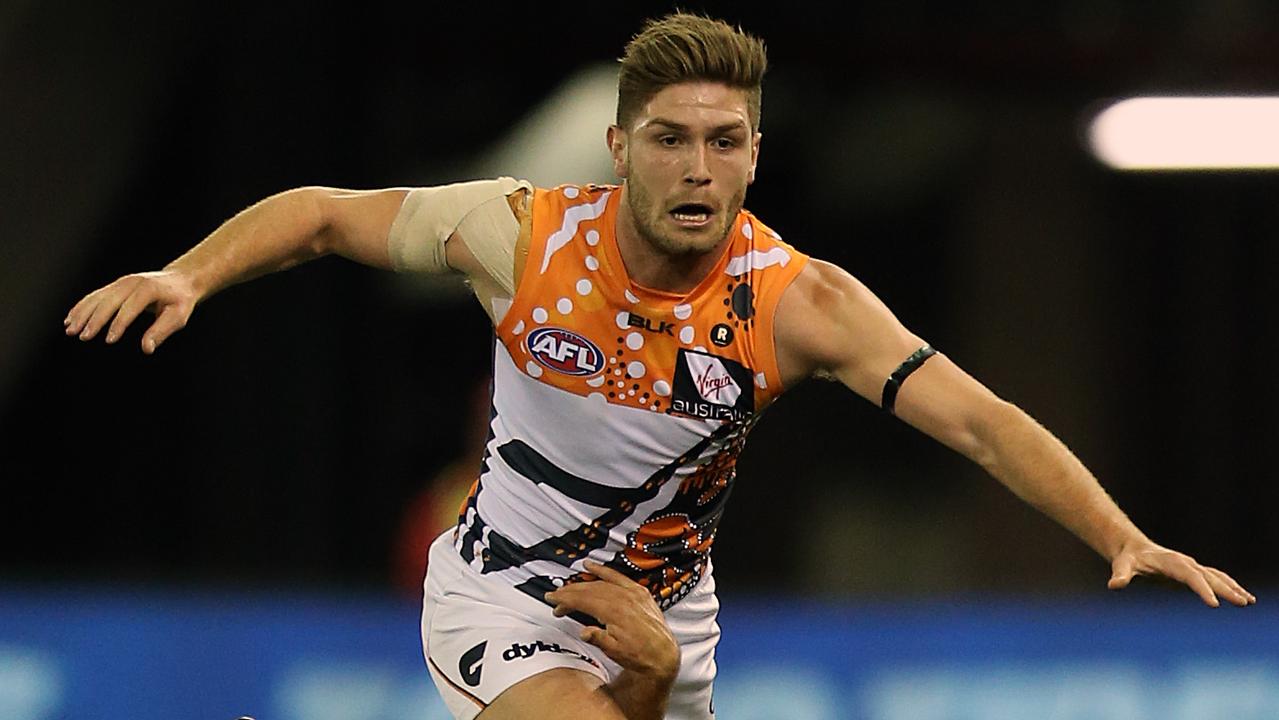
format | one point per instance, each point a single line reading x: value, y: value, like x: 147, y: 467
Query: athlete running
x: 642, y: 328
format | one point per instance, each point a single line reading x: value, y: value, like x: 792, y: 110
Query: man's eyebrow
x: 680, y: 127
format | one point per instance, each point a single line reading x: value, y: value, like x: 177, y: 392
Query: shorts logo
x: 710, y: 386
x: 519, y: 652
x: 564, y: 351
x: 472, y: 664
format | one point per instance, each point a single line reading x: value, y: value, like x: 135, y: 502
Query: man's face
x: 687, y: 160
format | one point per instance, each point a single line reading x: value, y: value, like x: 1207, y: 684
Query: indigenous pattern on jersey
x: 619, y: 411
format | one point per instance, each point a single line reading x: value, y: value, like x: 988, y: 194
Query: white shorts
x: 480, y: 637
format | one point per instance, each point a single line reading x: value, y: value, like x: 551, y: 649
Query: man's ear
x: 750, y: 176
x: 617, y: 140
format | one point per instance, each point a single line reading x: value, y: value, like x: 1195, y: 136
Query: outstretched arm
x: 828, y: 322
x: 274, y: 234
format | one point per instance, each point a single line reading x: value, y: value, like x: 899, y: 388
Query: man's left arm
x: 829, y: 323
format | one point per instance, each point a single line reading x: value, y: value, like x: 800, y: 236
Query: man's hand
x: 167, y: 294
x: 1143, y: 557
x: 634, y: 635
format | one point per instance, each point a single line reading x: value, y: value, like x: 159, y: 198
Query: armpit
x: 487, y: 234
x: 489, y: 216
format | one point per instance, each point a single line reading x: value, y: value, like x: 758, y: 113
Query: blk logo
x: 564, y: 351
x: 642, y: 322
x: 472, y: 664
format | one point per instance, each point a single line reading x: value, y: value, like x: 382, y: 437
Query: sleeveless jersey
x: 619, y: 411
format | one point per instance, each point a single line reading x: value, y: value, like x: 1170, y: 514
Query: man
x: 642, y: 328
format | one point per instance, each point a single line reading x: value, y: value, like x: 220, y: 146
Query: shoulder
x: 830, y: 322
x: 822, y: 280
x: 808, y: 324
x: 569, y: 195
x: 758, y: 251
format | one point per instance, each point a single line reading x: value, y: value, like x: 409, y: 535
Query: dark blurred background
x: 309, y: 428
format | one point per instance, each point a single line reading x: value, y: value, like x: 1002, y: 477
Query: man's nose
x: 697, y: 172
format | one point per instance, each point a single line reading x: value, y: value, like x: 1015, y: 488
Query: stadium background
x: 296, y: 441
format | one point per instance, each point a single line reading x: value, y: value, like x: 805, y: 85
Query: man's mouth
x: 692, y: 214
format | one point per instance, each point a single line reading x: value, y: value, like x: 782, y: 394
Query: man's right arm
x: 274, y: 234
x: 291, y: 228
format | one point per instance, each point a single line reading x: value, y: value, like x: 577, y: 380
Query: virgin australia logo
x: 712, y: 387
x: 712, y: 380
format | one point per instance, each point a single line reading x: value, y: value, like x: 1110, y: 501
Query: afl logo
x: 565, y: 351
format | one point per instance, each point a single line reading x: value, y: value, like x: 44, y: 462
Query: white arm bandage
x: 430, y: 215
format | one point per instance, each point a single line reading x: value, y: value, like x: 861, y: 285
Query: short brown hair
x: 682, y: 47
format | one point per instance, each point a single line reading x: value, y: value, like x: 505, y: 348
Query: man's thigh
x: 479, y: 651
x: 559, y: 693
x: 481, y: 642
x: 480, y: 667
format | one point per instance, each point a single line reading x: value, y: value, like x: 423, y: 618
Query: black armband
x: 902, y: 372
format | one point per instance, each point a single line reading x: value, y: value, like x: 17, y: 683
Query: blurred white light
x: 31, y: 684
x: 561, y: 140
x: 1188, y: 133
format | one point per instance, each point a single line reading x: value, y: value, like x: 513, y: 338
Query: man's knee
x: 559, y: 693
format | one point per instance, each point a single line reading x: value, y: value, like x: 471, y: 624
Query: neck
x: 649, y: 266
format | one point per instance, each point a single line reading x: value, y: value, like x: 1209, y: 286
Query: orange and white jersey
x: 619, y: 411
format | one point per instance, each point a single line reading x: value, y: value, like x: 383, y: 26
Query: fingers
x: 1206, y: 582
x: 600, y: 638
x: 133, y: 305
x: 124, y: 316
x: 1199, y: 583
x: 81, y: 311
x: 171, y: 320
x: 1252, y: 599
x: 102, y: 313
x: 1188, y: 572
x: 120, y: 304
x: 608, y: 574
x: 1226, y: 587
x: 1209, y: 583
x: 614, y: 597
x: 89, y: 315
x: 637, y: 642
x: 1222, y: 589
x: 77, y: 321
x: 597, y: 599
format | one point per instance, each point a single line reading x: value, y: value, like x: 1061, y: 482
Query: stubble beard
x: 648, y: 215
